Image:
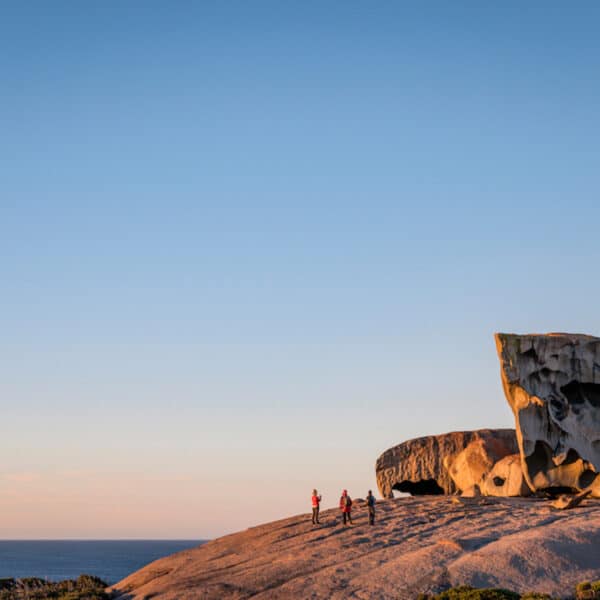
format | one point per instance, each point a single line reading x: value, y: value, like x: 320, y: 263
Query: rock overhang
x: 443, y: 464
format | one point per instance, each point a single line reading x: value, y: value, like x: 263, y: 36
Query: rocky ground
x: 419, y: 544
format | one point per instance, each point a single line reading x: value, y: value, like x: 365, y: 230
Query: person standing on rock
x: 346, y: 507
x: 316, y: 502
x: 371, y: 507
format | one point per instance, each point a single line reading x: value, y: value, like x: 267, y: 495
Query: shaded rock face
x: 443, y: 464
x: 552, y: 383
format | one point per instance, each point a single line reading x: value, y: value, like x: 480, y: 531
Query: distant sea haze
x: 111, y: 560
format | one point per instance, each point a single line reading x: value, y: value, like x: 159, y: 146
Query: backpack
x: 348, y: 501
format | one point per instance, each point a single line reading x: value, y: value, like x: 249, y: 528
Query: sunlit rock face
x: 443, y: 464
x: 552, y: 383
x: 471, y: 468
x: 506, y: 478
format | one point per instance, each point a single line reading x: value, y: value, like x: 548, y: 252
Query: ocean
x: 111, y: 560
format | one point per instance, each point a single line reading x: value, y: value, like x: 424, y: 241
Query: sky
x: 245, y: 247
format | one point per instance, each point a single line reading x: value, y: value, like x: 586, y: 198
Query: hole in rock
x: 572, y: 457
x: 499, y: 481
x: 424, y: 487
x: 530, y: 353
x: 560, y: 408
x: 586, y: 478
x: 577, y: 393
x: 540, y: 457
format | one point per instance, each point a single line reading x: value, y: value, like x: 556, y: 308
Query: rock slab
x: 443, y: 464
x: 419, y: 544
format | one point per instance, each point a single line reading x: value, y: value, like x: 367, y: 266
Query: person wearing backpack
x: 316, y: 502
x: 371, y: 507
x: 346, y: 507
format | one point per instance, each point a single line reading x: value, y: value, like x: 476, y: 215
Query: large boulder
x: 552, y: 383
x: 443, y: 464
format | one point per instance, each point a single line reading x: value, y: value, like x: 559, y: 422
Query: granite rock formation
x: 424, y: 544
x: 443, y: 464
x: 552, y: 383
x: 471, y: 468
x: 506, y: 478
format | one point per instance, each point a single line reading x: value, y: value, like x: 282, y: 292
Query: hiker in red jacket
x: 346, y: 507
x: 316, y: 501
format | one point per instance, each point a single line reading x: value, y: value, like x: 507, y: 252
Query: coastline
x: 58, y: 560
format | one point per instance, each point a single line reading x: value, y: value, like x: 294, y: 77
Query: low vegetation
x: 465, y: 592
x: 588, y: 590
x: 85, y: 587
x: 88, y: 587
x: 584, y: 591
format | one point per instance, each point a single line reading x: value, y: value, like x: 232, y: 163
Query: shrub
x: 466, y: 592
x: 86, y: 587
x: 588, y: 590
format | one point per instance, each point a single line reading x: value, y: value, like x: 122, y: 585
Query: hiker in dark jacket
x: 346, y: 507
x: 316, y: 502
x: 371, y: 507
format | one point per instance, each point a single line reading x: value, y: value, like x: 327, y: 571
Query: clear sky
x: 247, y: 246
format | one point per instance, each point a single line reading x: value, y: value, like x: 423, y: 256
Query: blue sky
x: 246, y: 247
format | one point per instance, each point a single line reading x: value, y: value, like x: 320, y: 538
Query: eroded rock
x: 506, y: 478
x: 565, y: 501
x: 552, y: 383
x: 443, y: 464
x: 470, y: 468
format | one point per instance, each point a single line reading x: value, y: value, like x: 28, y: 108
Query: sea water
x: 111, y: 560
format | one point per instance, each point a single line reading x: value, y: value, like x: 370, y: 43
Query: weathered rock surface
x: 443, y: 464
x: 552, y: 383
x: 417, y: 545
x: 570, y: 500
x: 471, y: 468
x: 506, y: 478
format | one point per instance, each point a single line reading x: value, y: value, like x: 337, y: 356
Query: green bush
x: 465, y: 592
x: 85, y: 587
x: 588, y: 590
